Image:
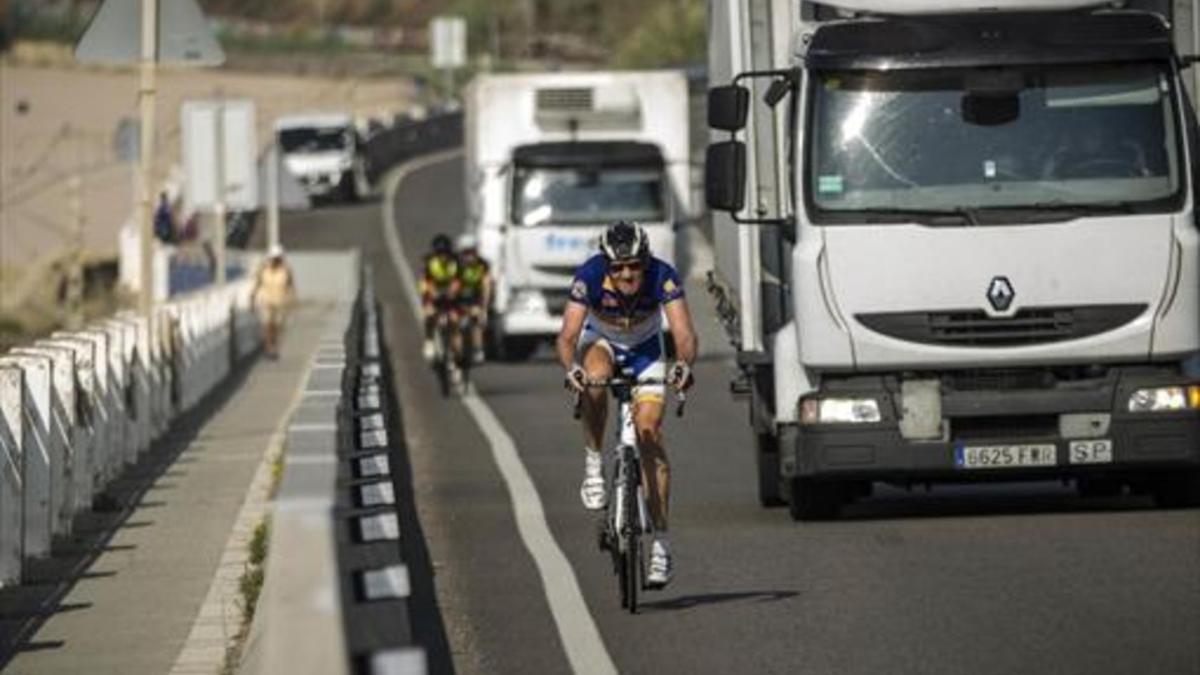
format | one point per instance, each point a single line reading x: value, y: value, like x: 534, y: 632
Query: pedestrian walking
x: 274, y: 292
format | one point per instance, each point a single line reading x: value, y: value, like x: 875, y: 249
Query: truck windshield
x: 576, y: 196
x: 313, y: 139
x: 1022, y: 142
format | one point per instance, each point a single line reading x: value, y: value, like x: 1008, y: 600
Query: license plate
x: 1004, y: 456
x: 1094, y: 451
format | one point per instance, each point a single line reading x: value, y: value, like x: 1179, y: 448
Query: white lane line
x: 576, y: 627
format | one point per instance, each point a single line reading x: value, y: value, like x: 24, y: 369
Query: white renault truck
x: 324, y: 152
x: 550, y: 160
x: 956, y: 241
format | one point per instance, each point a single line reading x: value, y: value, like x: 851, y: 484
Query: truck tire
x: 766, y: 458
x: 815, y: 500
x: 1177, y: 490
x: 508, y: 348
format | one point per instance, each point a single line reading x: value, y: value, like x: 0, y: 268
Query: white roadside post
x: 83, y: 431
x: 129, y: 396
x: 63, y: 407
x: 12, y: 473
x: 36, y: 493
x: 118, y: 382
x: 102, y: 411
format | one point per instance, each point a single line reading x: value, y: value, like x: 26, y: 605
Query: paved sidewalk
x: 137, y: 594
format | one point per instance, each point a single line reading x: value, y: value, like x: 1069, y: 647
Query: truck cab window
x: 1057, y: 136
x: 566, y: 196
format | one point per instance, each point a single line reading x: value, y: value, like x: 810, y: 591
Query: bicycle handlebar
x: 577, y: 397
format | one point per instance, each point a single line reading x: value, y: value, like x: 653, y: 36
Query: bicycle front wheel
x: 633, y: 538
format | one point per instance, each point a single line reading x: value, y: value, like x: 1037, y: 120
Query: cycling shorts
x: 643, y: 360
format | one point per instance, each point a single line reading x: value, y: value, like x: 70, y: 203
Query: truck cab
x: 324, y: 152
x: 551, y: 160
x: 983, y: 220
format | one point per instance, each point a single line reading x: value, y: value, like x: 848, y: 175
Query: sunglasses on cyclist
x: 630, y: 266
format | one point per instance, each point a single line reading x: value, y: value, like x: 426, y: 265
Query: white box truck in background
x: 550, y: 160
x: 976, y: 253
x: 324, y: 152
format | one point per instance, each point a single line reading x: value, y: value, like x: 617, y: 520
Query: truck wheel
x: 815, y: 500
x: 519, y: 348
x: 766, y: 457
x: 1177, y: 490
x: 346, y: 188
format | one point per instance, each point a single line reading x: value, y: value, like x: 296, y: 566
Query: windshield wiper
x: 1059, y: 210
x: 958, y: 215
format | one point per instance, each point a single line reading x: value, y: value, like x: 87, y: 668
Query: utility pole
x: 273, y: 194
x: 146, y: 99
x: 75, y: 271
x: 219, y: 209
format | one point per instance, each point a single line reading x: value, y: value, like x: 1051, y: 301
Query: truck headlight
x: 839, y: 410
x: 1165, y: 399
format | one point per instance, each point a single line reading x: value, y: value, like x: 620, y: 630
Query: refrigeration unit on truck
x: 324, y: 152
x: 968, y: 247
x: 550, y: 160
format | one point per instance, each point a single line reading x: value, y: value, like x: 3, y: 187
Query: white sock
x: 662, y: 541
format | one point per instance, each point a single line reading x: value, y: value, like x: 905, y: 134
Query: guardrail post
x: 37, y: 484
x: 12, y: 471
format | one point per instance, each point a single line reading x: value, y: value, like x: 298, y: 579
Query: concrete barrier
x: 79, y: 407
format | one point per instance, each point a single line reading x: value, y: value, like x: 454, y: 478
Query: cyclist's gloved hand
x: 576, y: 378
x: 680, y: 376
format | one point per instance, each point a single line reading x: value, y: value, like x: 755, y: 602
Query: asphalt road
x: 994, y: 579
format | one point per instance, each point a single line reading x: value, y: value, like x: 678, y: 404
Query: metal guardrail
x: 388, y: 148
x: 78, y: 407
x: 335, y: 558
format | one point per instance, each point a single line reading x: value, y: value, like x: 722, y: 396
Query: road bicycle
x: 444, y: 363
x: 626, y: 524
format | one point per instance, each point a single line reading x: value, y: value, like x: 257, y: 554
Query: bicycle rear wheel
x: 443, y: 363
x: 467, y: 355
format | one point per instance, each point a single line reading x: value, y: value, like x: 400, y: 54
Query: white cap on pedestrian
x: 276, y: 251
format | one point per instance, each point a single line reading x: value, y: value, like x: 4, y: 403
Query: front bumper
x: 879, y: 451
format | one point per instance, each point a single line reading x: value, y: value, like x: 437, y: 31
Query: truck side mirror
x: 725, y: 176
x: 727, y: 107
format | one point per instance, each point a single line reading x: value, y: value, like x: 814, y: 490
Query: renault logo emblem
x: 1000, y: 293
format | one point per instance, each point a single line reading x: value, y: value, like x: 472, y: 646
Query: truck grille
x: 565, y: 99
x: 974, y: 328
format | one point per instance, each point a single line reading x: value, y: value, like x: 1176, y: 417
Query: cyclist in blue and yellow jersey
x: 474, y: 289
x: 439, y: 288
x: 615, y: 313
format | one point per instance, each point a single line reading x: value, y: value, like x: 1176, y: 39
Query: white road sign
x: 114, y: 35
x: 240, y: 150
x: 448, y: 42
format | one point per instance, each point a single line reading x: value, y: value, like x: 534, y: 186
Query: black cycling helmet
x: 625, y: 240
x: 442, y: 245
